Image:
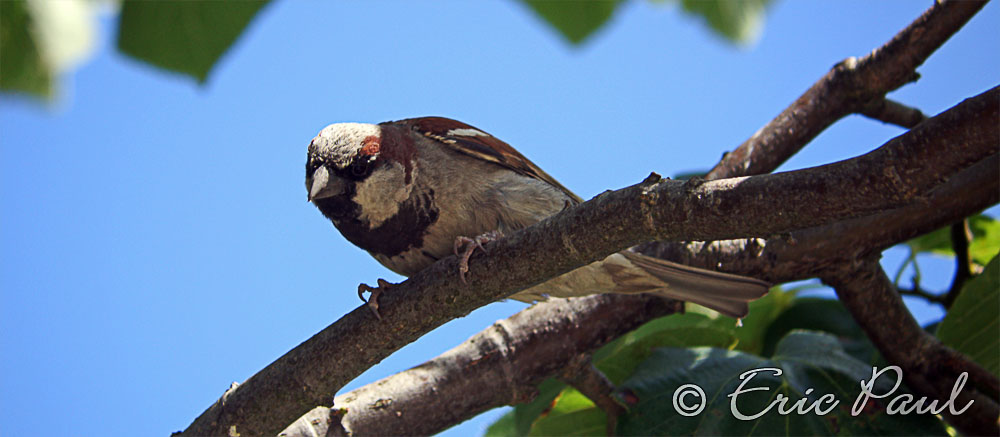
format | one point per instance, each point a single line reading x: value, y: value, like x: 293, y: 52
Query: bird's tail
x: 630, y: 272
x: 726, y: 293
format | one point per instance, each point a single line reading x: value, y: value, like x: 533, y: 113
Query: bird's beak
x: 322, y: 184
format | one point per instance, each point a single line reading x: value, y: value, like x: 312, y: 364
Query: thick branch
x: 499, y: 366
x: 806, y: 253
x: 850, y: 87
x: 897, y: 173
x: 928, y: 366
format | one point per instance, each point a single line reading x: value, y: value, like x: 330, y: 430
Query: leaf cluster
x: 189, y: 37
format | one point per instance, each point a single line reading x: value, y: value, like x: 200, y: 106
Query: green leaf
x: 763, y: 312
x: 938, y: 241
x: 574, y: 19
x: 826, y: 315
x: 525, y: 414
x: 518, y: 421
x: 505, y: 426
x: 971, y: 325
x: 985, y: 238
x: 571, y: 415
x: 985, y: 244
x: 808, y: 360
x: 740, y: 21
x: 618, y: 359
x: 21, y: 63
x: 183, y: 36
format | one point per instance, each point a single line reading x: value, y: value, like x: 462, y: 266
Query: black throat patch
x: 401, y: 232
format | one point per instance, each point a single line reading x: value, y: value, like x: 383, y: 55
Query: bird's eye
x: 360, y: 168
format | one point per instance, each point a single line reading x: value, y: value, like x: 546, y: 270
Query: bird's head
x: 342, y: 153
x: 360, y: 171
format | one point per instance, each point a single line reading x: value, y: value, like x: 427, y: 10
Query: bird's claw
x: 376, y: 292
x: 470, y: 247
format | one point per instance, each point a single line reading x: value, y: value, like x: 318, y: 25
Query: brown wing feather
x: 485, y: 147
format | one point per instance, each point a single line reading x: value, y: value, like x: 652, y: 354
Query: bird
x: 413, y: 191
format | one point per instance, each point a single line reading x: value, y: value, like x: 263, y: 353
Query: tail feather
x: 630, y: 272
x: 724, y: 292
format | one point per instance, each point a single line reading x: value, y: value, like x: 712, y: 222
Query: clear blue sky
x: 155, y: 239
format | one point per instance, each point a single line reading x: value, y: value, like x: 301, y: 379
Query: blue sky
x: 155, y: 239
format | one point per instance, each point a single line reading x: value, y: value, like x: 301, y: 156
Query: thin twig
x: 849, y: 87
x: 926, y: 295
x: 892, y: 112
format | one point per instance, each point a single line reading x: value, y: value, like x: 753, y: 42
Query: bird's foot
x: 376, y: 292
x: 470, y: 246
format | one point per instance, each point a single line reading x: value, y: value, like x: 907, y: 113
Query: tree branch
x: 928, y: 366
x: 778, y: 259
x: 807, y: 253
x: 850, y: 87
x: 892, y: 112
x: 502, y: 365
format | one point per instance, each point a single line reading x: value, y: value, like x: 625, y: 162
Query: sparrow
x: 413, y: 191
